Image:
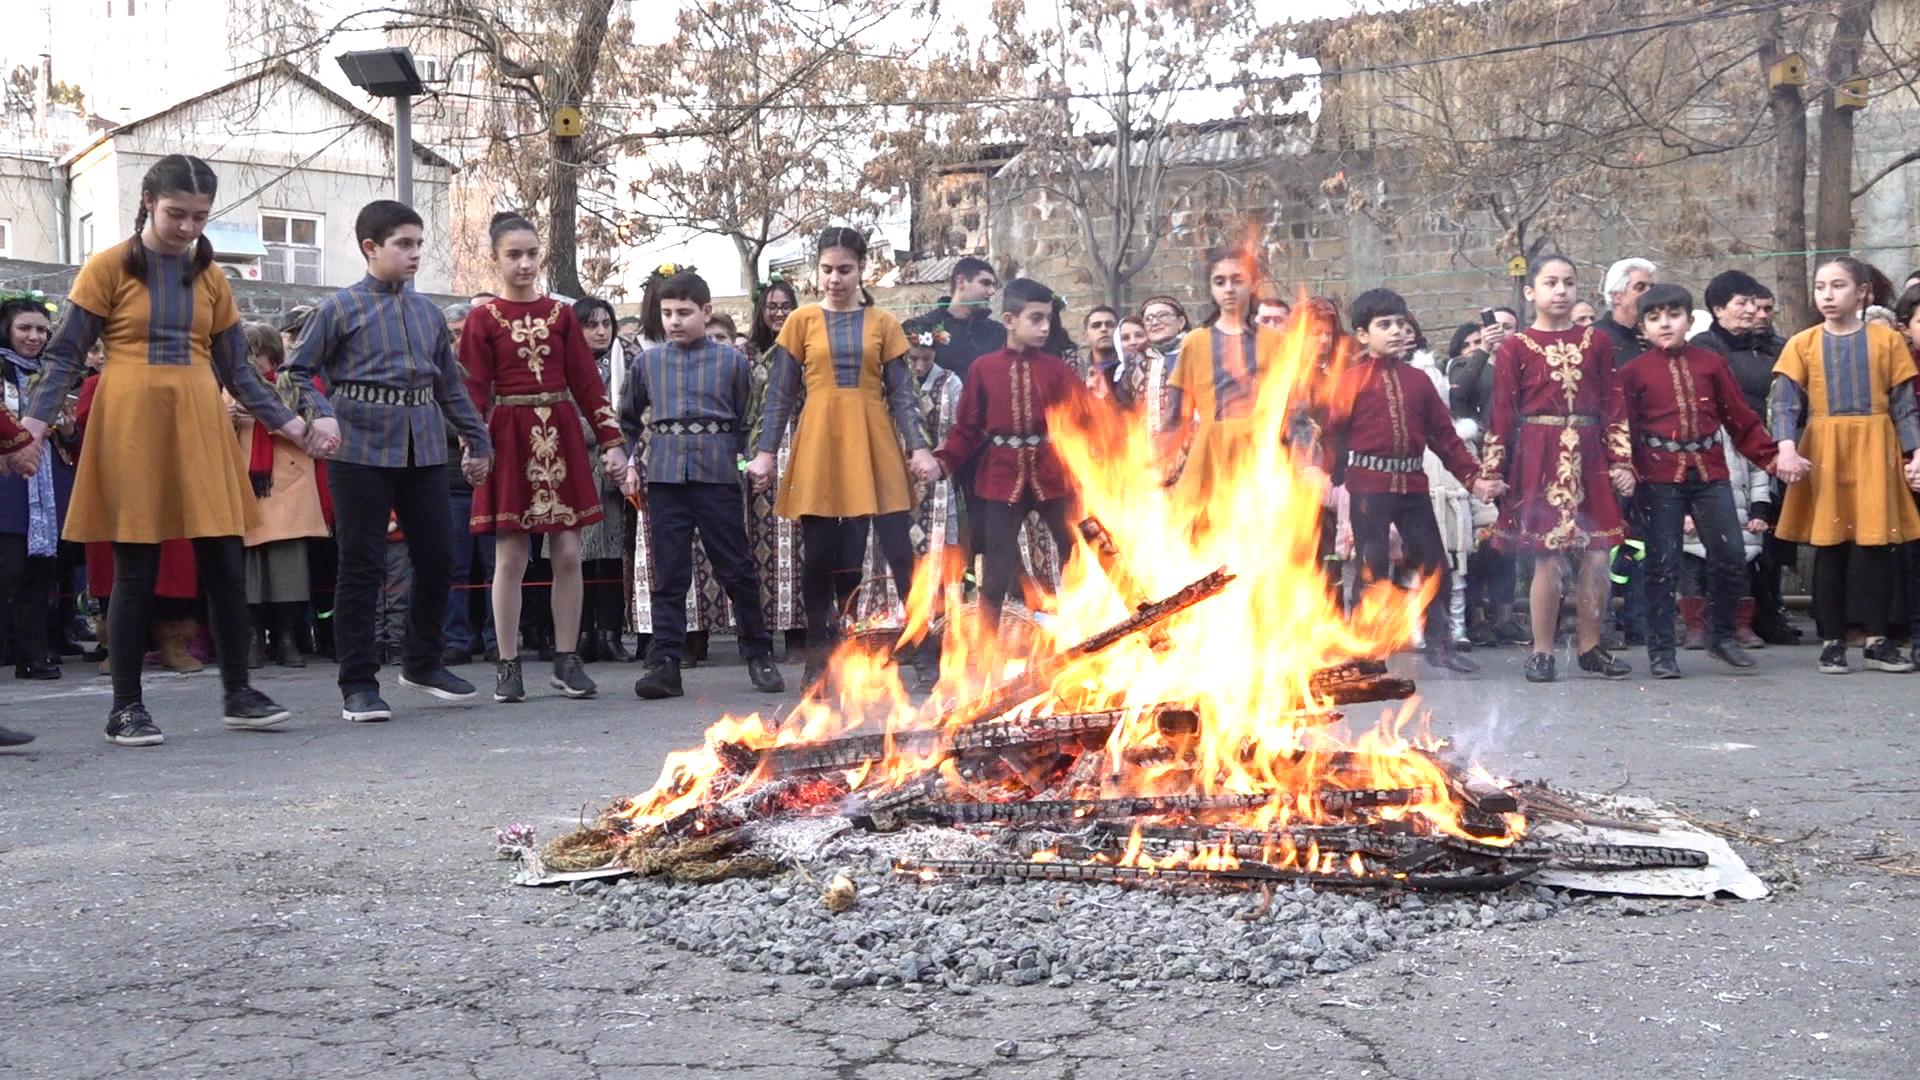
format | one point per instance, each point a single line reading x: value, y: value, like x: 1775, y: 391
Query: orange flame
x: 1243, y: 660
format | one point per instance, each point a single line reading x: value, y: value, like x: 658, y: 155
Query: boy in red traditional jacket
x: 1677, y: 399
x: 1386, y: 415
x: 1001, y: 429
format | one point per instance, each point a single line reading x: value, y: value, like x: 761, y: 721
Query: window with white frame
x: 6, y: 238
x: 428, y: 68
x: 292, y: 240
x: 86, y: 235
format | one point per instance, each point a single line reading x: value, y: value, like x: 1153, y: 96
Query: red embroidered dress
x: 1554, y: 427
x: 529, y: 363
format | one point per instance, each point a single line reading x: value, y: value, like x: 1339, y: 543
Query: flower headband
x: 931, y: 338
x: 667, y: 270
x: 39, y: 299
x: 760, y: 287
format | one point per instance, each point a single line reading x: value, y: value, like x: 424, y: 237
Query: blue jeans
x: 1717, y: 523
x: 472, y: 565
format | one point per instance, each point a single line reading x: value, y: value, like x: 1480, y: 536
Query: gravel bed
x: 958, y: 935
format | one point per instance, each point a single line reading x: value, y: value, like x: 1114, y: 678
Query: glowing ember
x: 1255, y: 661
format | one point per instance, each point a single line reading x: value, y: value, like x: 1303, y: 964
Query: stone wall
x: 1342, y: 218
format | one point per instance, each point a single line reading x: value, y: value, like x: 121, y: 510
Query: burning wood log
x: 777, y: 796
x: 1039, y: 731
x: 1107, y: 553
x: 1037, y: 810
x: 1041, y: 672
x: 1247, y: 873
x: 1476, y: 791
x: 1369, y: 688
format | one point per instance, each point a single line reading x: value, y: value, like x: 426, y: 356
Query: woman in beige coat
x: 287, y: 491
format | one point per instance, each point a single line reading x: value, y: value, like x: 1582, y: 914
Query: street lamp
x: 389, y: 73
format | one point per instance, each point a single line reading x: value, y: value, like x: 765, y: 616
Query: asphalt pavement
x: 323, y: 900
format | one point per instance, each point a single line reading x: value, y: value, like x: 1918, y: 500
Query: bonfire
x: 1192, y: 704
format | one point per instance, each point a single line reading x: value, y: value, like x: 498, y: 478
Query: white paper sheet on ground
x: 1725, y: 873
x: 533, y: 871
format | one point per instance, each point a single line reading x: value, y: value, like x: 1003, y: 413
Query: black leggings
x: 833, y: 555
x: 1858, y: 585
x: 27, y: 589
x: 222, y: 565
x: 605, y: 596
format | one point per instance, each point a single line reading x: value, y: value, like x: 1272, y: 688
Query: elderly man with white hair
x: 1624, y: 283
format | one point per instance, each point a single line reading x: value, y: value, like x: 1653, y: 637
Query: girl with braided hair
x: 162, y: 463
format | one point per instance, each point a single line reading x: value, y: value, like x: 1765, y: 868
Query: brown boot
x: 1693, y: 615
x: 174, y: 639
x: 1743, y: 625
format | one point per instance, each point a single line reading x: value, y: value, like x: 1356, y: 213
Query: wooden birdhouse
x: 568, y: 123
x: 1789, y: 70
x: 1851, y: 94
x: 1517, y: 266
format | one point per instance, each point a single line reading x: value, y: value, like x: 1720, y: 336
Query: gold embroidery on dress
x: 531, y: 335
x: 1564, y: 494
x: 546, y: 472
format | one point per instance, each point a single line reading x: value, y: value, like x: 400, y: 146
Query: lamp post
x: 389, y: 73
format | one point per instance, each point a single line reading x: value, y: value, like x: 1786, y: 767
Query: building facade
x: 296, y: 162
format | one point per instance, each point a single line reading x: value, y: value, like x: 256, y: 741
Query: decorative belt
x: 1377, y: 463
x: 691, y: 427
x: 1018, y: 442
x: 552, y: 397
x: 1673, y: 446
x: 375, y: 394
x: 1575, y: 420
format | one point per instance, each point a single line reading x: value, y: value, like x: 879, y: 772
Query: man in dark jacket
x: 1624, y: 283
x: 1745, y: 337
x: 966, y: 318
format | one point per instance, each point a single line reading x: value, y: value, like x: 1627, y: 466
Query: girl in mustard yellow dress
x: 160, y: 462
x: 1211, y: 392
x: 1844, y: 413
x: 847, y: 471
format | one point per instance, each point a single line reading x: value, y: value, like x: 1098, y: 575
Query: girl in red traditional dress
x: 1555, y: 444
x: 528, y: 361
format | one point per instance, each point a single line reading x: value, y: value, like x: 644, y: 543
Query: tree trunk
x: 1833, y: 200
x: 569, y: 85
x: 749, y: 254
x: 1789, y: 110
x: 563, y: 217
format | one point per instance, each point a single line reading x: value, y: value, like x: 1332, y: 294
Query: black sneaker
x: 130, y: 725
x: 39, y: 671
x: 1443, y: 657
x: 251, y: 710
x: 1511, y: 633
x: 765, y: 677
x: 508, y: 686
x: 1539, y: 667
x: 10, y: 737
x: 662, y: 680
x: 366, y: 707
x: 1598, y: 661
x: 439, y: 682
x: 1833, y: 658
x: 1729, y: 652
x: 1884, y: 655
x: 570, y: 676
x: 1661, y: 665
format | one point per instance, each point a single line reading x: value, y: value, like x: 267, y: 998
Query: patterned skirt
x: 542, y: 479
x: 775, y: 544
